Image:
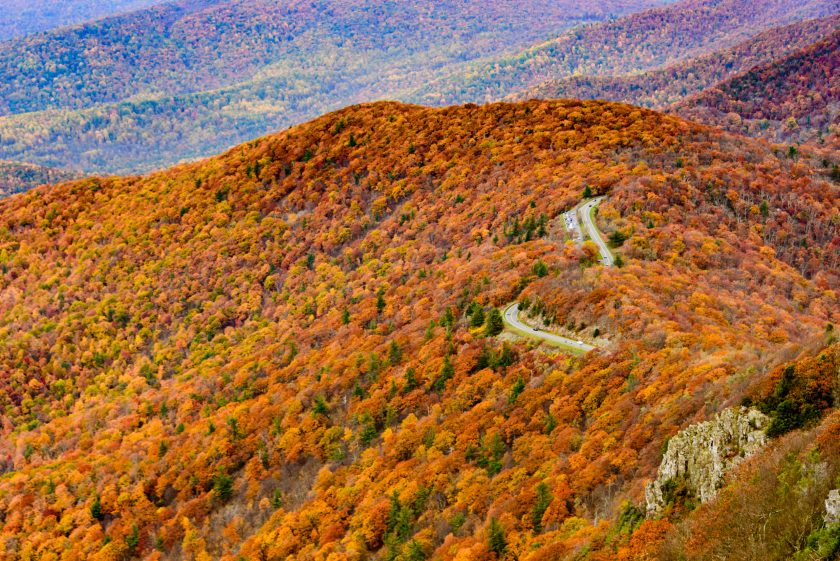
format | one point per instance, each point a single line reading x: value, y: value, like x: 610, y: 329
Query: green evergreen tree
x: 494, y: 324
x: 410, y: 381
x: 415, y: 551
x: 518, y: 388
x: 550, y: 423
x: 369, y: 432
x: 446, y: 372
x: 277, y: 499
x: 506, y: 357
x: 133, y: 539
x: 394, y: 508
x: 541, y: 230
x: 394, y: 354
x: 498, y: 542
x: 494, y: 454
x: 233, y: 427
x: 223, y: 485
x: 764, y: 208
x: 539, y: 269
x: 617, y: 238
x: 541, y: 503
x: 96, y: 508
x: 485, y: 359
x: 477, y: 317
x: 448, y: 318
x: 380, y: 300
x: 320, y: 407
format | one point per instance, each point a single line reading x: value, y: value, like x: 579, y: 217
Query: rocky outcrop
x: 699, y: 456
x: 832, y: 507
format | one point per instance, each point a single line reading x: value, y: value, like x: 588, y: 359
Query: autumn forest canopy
x: 275, y: 354
x: 571, y: 292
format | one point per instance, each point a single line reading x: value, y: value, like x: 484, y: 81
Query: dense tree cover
x: 662, y: 87
x: 798, y: 393
x: 184, y: 80
x: 126, y: 94
x: 644, y: 41
x: 275, y: 353
x: 24, y: 17
x: 793, y: 99
x: 16, y: 177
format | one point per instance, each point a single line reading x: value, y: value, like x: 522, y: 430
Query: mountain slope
x: 647, y: 40
x: 793, y: 99
x: 16, y: 177
x: 663, y: 87
x: 245, y: 68
x: 183, y: 80
x: 274, y: 353
x: 24, y: 17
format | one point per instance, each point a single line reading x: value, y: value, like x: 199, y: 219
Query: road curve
x: 511, y: 317
x: 511, y: 314
x: 585, y: 213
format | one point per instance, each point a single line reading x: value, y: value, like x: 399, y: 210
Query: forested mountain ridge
x: 663, y: 87
x: 16, y: 177
x: 643, y: 41
x: 181, y: 80
x: 793, y: 99
x: 25, y: 17
x: 135, y: 92
x: 274, y: 353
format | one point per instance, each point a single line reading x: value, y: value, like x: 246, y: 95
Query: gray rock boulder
x: 832, y: 507
x: 699, y: 456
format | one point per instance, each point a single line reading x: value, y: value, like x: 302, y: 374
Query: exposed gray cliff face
x: 699, y: 456
x: 832, y: 507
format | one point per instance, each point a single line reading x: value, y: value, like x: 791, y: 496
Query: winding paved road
x: 511, y: 314
x: 511, y: 317
x: 585, y: 211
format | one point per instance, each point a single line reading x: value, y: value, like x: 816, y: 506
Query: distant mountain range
x: 16, y: 177
x: 665, y: 86
x: 641, y: 42
x: 180, y: 81
x: 25, y: 17
x: 795, y: 98
x: 187, y: 79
